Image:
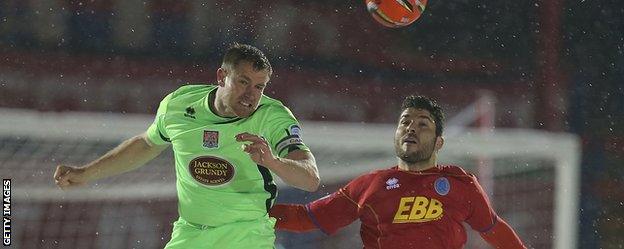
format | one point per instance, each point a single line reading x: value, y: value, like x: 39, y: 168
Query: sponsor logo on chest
x: 418, y: 209
x: 211, y: 171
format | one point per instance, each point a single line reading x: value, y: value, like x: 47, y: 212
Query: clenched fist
x: 67, y: 177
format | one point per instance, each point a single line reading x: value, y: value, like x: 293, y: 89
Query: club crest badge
x: 211, y: 139
x: 442, y: 186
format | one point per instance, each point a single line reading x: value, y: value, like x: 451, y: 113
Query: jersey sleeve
x: 339, y: 209
x: 156, y: 132
x: 283, y: 131
x: 503, y: 236
x: 482, y: 216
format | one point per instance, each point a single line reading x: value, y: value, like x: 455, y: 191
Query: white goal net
x: 535, y: 180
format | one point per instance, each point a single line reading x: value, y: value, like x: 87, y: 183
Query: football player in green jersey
x: 228, y: 141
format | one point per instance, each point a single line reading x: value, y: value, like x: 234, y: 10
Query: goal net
x: 535, y: 181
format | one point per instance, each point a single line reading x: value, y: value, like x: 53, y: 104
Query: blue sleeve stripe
x: 487, y: 229
x: 313, y: 218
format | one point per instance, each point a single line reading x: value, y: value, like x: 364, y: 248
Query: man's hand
x: 292, y: 217
x: 298, y: 169
x: 259, y: 149
x: 67, y: 177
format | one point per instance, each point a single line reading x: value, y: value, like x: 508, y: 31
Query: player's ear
x: 439, y: 142
x: 221, y: 73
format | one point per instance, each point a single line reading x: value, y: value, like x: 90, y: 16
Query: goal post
x: 535, y: 173
x: 564, y: 151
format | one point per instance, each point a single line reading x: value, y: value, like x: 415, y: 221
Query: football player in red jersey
x: 415, y: 204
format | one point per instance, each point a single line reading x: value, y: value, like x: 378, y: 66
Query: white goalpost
x: 535, y: 176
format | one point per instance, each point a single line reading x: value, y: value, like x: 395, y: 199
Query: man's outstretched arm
x: 292, y: 217
x: 328, y: 214
x: 501, y: 235
x: 127, y: 156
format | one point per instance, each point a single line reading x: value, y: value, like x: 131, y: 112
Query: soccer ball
x: 395, y: 13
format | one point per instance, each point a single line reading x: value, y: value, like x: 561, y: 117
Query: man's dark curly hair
x: 425, y: 103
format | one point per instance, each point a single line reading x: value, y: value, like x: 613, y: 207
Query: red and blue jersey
x: 408, y: 209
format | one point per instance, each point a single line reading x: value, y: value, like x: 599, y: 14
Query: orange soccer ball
x: 395, y: 13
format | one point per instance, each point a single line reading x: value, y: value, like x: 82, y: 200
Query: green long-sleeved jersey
x: 216, y: 181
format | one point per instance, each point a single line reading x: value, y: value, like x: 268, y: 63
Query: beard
x: 422, y: 154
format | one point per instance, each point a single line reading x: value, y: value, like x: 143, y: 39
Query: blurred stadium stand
x: 553, y: 65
